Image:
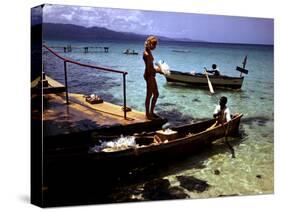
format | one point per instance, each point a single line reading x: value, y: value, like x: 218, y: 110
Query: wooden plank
x: 35, y: 82
x: 80, y: 116
x: 53, y: 86
x: 108, y: 108
x: 53, y: 83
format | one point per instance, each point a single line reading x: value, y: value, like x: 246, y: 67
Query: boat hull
x: 201, y: 80
x: 191, y: 139
x: 199, y: 138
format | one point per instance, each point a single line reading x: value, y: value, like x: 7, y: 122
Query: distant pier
x: 85, y: 49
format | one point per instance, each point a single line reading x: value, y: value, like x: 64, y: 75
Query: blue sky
x: 212, y: 28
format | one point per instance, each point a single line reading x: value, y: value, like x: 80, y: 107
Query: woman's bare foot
x: 149, y: 117
x: 154, y: 115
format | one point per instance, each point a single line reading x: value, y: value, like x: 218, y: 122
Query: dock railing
x: 65, y: 61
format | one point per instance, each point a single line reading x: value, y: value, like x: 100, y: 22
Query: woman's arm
x: 158, y: 70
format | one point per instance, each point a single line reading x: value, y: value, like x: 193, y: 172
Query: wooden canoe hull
x: 191, y: 139
x: 201, y: 80
x: 199, y: 139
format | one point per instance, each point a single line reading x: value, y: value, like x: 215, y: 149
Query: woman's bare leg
x: 155, y: 96
x: 147, y: 99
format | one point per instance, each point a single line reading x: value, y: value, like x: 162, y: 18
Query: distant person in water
x: 149, y: 76
x: 214, y: 70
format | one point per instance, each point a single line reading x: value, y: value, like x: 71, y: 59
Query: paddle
x: 225, y: 129
x: 209, y: 82
x: 226, y: 141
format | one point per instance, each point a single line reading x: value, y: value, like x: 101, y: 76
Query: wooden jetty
x: 68, y: 119
x: 79, y: 118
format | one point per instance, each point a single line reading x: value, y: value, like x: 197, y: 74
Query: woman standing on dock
x: 149, y: 76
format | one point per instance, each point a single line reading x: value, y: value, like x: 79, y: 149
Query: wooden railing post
x: 65, y: 80
x: 124, y: 95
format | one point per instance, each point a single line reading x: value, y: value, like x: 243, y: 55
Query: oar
x: 209, y: 82
x: 226, y: 141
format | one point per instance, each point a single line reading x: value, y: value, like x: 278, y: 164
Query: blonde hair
x: 150, y: 41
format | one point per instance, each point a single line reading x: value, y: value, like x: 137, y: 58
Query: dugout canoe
x: 188, y: 140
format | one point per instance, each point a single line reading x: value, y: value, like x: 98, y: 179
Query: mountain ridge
x: 75, y: 32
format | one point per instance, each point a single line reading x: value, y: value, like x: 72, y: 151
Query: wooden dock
x: 79, y: 117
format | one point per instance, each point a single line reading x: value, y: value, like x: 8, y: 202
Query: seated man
x: 221, y: 113
x: 214, y: 70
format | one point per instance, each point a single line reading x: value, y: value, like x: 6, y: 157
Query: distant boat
x: 128, y: 51
x: 180, y: 51
x: 199, y: 79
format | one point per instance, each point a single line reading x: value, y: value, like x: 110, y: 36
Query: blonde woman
x: 149, y: 76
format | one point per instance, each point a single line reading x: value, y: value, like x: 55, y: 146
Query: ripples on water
x: 251, y: 172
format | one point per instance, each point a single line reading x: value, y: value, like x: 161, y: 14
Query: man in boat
x: 222, y: 112
x: 215, y: 71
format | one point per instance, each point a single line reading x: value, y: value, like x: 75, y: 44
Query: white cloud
x: 67, y: 16
x: 114, y: 19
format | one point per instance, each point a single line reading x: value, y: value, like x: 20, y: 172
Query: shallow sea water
x: 252, y: 171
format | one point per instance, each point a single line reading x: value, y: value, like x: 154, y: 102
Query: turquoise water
x: 180, y: 104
